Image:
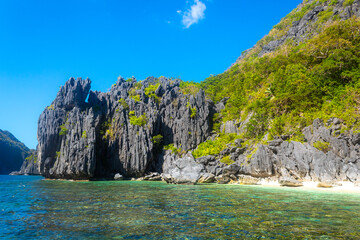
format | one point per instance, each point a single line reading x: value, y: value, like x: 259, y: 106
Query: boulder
x: 248, y: 180
x: 206, y: 178
x: 118, y: 177
x: 289, y: 182
x: 324, y: 185
x: 152, y: 177
x: 183, y: 170
x: 223, y: 179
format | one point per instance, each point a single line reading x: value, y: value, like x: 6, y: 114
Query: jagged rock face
x: 305, y: 28
x: 114, y: 132
x: 30, y: 165
x: 295, y: 161
x: 12, y: 153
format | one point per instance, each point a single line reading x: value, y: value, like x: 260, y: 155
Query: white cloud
x: 194, y: 14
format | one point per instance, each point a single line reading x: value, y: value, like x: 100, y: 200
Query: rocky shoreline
x: 132, y: 132
x: 339, y: 187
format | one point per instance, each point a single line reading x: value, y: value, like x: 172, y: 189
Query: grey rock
x: 206, y: 178
x: 229, y: 127
x: 152, y: 177
x: 183, y: 170
x: 206, y: 159
x: 275, y: 143
x: 238, y: 142
x: 223, y: 179
x: 260, y: 164
x: 30, y: 165
x: 356, y: 139
x: 96, y: 139
x: 118, y: 176
x: 232, y: 169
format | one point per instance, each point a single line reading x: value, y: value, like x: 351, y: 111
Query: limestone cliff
x: 121, y: 131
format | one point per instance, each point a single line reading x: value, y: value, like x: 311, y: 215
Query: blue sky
x: 45, y: 42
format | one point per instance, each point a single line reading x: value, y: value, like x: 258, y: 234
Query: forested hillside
x: 306, y: 68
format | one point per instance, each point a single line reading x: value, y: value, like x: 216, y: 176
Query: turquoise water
x: 32, y: 208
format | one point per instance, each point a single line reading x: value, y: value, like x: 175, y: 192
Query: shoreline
x: 343, y: 187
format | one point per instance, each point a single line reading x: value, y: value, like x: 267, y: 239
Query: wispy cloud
x: 195, y: 13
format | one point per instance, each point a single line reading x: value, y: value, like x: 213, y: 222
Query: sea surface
x: 33, y: 208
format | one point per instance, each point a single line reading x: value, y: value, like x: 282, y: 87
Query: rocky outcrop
x: 182, y: 170
x: 311, y: 12
x: 335, y: 158
x: 30, y: 165
x: 12, y: 153
x: 122, y: 131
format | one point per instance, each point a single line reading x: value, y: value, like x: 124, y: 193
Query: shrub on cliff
x: 150, y: 92
x: 138, y: 121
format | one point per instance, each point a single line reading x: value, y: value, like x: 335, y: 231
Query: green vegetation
x: 325, y: 15
x: 227, y: 160
x: 322, y: 146
x: 123, y: 104
x: 110, y: 133
x: 172, y: 148
x: 137, y: 121
x: 134, y: 95
x: 254, y: 150
x: 189, y: 87
x: 63, y: 130
x: 106, y: 130
x: 157, y: 140
x: 333, y: 2
x: 286, y: 90
x: 57, y: 155
x: 150, y: 92
x: 84, y: 134
x: 32, y: 157
x: 216, y: 121
x: 348, y: 3
x: 193, y: 112
x: 51, y: 107
x: 214, y: 147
